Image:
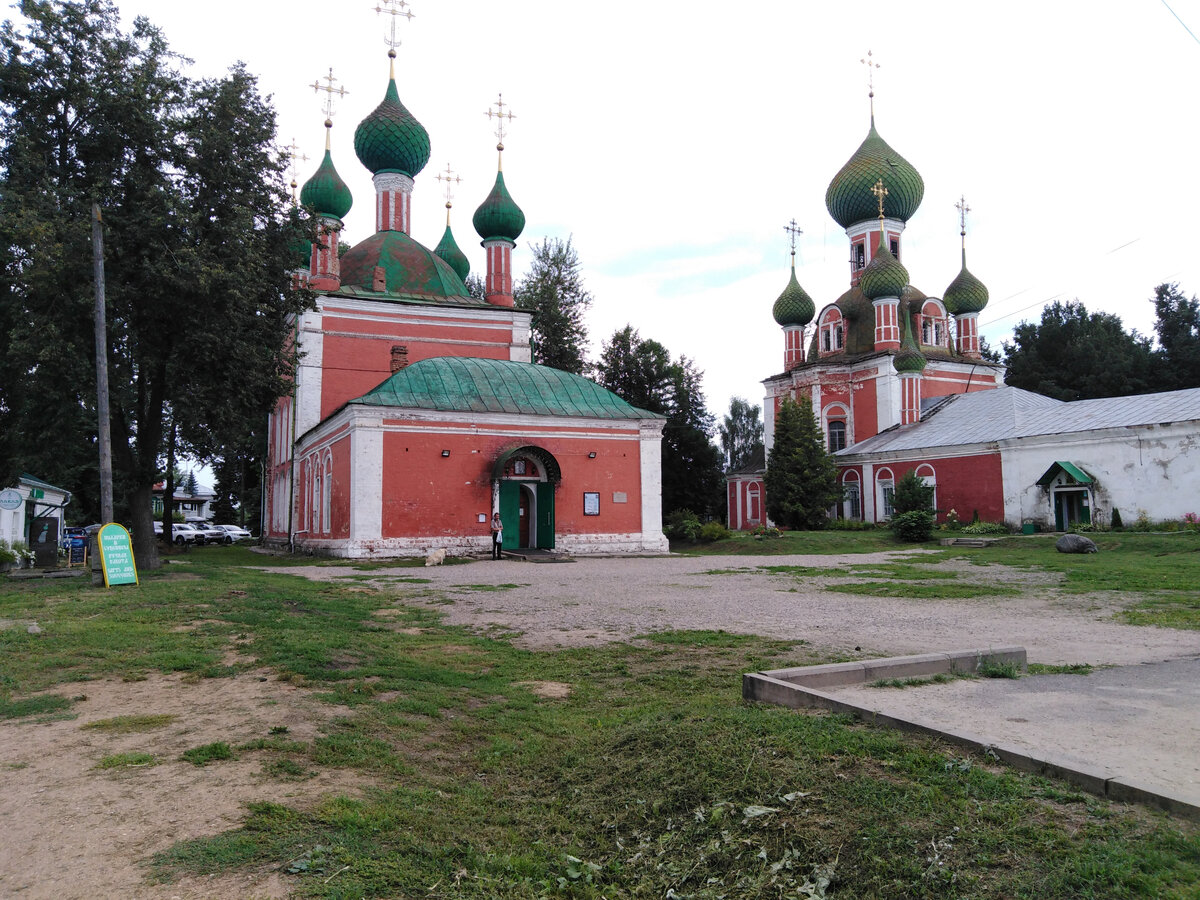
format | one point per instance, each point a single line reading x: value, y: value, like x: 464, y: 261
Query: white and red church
x: 416, y: 412
x: 898, y: 384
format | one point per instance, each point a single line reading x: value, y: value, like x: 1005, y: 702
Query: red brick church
x: 417, y: 413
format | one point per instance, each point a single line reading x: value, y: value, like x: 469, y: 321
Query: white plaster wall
x: 308, y: 373
x: 650, y: 443
x: 1155, y: 468
x: 887, y: 400
x: 366, y: 480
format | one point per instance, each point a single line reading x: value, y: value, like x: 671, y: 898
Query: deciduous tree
x: 1177, y: 324
x: 741, y: 434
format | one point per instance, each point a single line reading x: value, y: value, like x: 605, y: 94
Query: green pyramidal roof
x: 849, y: 198
x: 966, y: 294
x: 325, y: 192
x: 448, y: 250
x: 391, y: 139
x: 884, y: 275
x: 465, y: 384
x: 794, y: 306
x: 498, y: 216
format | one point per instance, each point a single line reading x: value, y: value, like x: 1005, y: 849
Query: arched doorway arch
x: 523, y: 483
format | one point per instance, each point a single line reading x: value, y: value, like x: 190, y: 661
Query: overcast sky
x: 674, y: 140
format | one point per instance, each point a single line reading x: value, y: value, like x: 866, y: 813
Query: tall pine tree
x: 801, y: 478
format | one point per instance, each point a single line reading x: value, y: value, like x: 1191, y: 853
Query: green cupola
x: 325, y: 192
x: 449, y: 251
x: 909, y: 359
x: 884, y: 275
x: 498, y: 216
x: 391, y: 139
x: 966, y: 293
x: 849, y: 198
x: 794, y: 306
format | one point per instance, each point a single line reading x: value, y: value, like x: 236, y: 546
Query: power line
x: 1180, y: 21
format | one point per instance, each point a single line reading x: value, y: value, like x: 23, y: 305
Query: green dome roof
x: 966, y: 294
x: 884, y: 275
x: 498, y: 216
x: 466, y: 384
x: 448, y: 250
x: 325, y: 192
x: 909, y: 358
x: 849, y: 198
x: 794, y: 306
x: 411, y: 271
x: 391, y: 139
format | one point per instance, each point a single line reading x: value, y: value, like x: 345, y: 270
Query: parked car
x: 211, y: 534
x: 236, y: 532
x: 181, y: 533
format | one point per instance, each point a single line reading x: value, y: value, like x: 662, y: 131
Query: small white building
x: 32, y: 511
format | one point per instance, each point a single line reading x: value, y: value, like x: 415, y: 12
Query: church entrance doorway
x: 526, y: 478
x: 1071, y: 508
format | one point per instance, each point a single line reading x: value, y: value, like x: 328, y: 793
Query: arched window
x: 754, y: 503
x: 926, y: 474
x: 327, y: 493
x: 837, y: 435
x: 832, y: 335
x: 315, y: 522
x: 885, y: 492
x: 851, y: 498
x: 933, y: 324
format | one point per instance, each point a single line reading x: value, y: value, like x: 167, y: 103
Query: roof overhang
x: 1072, y: 471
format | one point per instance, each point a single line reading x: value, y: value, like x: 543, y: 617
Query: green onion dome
x: 966, y: 293
x: 909, y: 358
x: 391, y: 139
x: 849, y: 198
x: 884, y: 275
x: 794, y: 306
x: 498, y: 216
x: 325, y: 192
x: 449, y: 251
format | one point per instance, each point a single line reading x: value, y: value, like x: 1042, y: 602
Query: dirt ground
x: 73, y: 831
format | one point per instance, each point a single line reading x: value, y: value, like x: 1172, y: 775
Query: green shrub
x: 977, y: 527
x: 682, y: 525
x: 6, y: 553
x: 713, y: 531
x: 765, y: 531
x: 912, y: 494
x: 915, y: 525
x: 1116, y: 520
x: 851, y: 525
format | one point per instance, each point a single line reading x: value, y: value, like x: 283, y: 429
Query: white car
x: 181, y: 533
x: 211, y: 534
x: 236, y: 532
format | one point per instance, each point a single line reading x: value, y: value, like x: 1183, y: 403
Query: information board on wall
x: 116, y: 555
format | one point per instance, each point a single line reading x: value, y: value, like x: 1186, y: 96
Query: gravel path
x: 592, y: 601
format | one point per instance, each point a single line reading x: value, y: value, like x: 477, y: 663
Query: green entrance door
x: 536, y: 528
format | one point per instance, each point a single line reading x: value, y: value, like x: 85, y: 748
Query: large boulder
x: 1074, y: 543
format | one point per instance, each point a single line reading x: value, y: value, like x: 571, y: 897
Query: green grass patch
x: 992, y: 668
x: 793, y: 542
x: 1179, y: 611
x: 486, y: 588
x: 33, y: 706
x: 941, y: 678
x: 206, y: 753
x: 131, y: 724
x: 127, y: 761
x: 902, y: 572
x: 804, y: 571
x: 1060, y: 669
x: 921, y: 591
x: 286, y: 769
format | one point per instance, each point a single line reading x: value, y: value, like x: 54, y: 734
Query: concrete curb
x: 800, y: 688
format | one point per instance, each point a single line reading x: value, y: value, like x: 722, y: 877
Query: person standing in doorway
x: 497, y: 535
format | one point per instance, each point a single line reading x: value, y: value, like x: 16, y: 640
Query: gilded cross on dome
x: 293, y: 154
x: 871, y: 67
x: 397, y: 9
x: 963, y: 209
x: 450, y: 179
x: 330, y: 90
x: 496, y: 111
x: 880, y: 192
x: 794, y: 231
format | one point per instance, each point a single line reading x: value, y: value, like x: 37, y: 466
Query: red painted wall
x: 428, y: 495
x: 340, y: 500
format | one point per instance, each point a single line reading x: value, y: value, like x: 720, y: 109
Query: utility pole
x: 104, y: 430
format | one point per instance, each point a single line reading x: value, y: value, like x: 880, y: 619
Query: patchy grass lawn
x: 649, y: 778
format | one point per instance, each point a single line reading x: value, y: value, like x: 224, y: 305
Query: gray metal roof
x: 1008, y: 412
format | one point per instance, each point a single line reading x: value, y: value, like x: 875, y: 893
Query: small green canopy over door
x: 545, y: 515
x: 1073, y: 473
